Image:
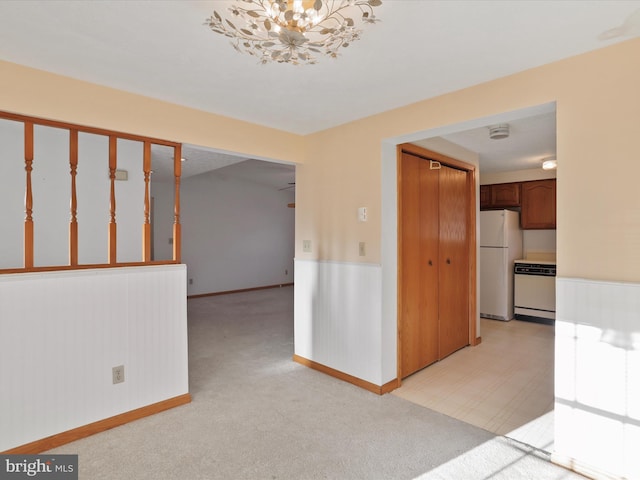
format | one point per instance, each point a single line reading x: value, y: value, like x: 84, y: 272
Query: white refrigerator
x: 500, y: 245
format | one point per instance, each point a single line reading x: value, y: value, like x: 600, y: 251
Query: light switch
x: 306, y: 246
x: 362, y: 214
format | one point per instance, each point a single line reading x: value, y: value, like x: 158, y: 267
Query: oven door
x: 535, y: 295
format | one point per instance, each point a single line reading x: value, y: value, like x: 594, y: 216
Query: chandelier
x: 293, y: 31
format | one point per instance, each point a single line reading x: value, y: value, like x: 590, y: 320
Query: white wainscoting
x: 338, y: 316
x: 597, y: 384
x: 62, y: 332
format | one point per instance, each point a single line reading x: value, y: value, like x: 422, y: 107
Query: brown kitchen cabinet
x: 500, y: 195
x: 538, y: 205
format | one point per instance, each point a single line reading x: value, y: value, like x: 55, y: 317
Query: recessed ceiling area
x: 530, y: 140
x: 198, y: 160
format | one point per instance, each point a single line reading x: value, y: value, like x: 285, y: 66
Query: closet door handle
x: 448, y: 261
x: 430, y: 263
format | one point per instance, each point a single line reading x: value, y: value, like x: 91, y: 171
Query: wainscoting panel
x: 62, y: 332
x: 597, y: 385
x: 337, y: 316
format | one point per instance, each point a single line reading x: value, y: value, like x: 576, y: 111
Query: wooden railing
x: 111, y: 210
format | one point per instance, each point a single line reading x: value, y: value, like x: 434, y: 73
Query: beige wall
x: 598, y: 113
x: 41, y: 94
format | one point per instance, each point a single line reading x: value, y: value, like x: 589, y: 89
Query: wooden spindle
x: 113, y: 164
x: 146, y: 226
x: 177, y: 230
x: 73, y: 223
x: 28, y: 197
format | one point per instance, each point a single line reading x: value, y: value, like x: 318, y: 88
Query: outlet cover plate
x: 118, y: 374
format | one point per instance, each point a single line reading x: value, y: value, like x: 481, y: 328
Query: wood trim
x: 96, y: 427
x: 113, y: 165
x: 85, y: 267
x: 177, y: 228
x: 227, y: 292
x: 430, y: 155
x: 399, y: 304
x: 473, y: 265
x: 472, y: 178
x: 84, y: 129
x: 146, y: 226
x: 73, y: 223
x: 28, y: 196
x: 74, y: 129
x: 390, y: 386
x: 358, y: 382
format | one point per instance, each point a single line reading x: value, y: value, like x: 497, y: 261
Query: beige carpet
x: 257, y: 415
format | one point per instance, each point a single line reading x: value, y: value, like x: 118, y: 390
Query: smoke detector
x: 496, y: 132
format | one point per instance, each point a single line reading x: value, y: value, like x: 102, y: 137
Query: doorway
x: 437, y: 257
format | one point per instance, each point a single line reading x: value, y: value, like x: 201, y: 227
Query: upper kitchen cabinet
x: 500, y: 195
x: 538, y: 205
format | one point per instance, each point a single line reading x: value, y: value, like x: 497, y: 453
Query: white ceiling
x: 419, y: 49
x: 531, y: 139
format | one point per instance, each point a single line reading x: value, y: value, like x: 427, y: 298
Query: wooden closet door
x: 453, y: 261
x: 434, y: 294
x: 419, y: 265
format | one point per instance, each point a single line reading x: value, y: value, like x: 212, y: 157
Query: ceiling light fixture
x: 292, y: 31
x: 549, y: 163
x: 496, y: 132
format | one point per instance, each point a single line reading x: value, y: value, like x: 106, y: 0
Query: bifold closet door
x: 453, y: 302
x: 434, y: 262
x: 419, y: 264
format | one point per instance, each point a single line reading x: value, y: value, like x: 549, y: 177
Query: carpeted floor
x: 258, y: 415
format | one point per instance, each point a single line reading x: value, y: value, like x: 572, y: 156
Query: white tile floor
x: 504, y: 385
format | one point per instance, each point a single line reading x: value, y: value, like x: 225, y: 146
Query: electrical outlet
x: 118, y: 374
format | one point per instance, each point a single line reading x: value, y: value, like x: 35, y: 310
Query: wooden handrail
x: 73, y: 247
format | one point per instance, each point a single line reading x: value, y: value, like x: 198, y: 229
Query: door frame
x: 471, y: 228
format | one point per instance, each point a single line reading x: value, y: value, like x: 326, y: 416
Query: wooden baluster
x: 113, y: 164
x: 177, y: 231
x: 28, y: 197
x: 146, y: 227
x: 73, y: 224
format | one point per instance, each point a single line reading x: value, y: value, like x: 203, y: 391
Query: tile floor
x: 504, y: 385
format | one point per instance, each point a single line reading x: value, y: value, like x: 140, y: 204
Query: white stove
x: 535, y: 290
